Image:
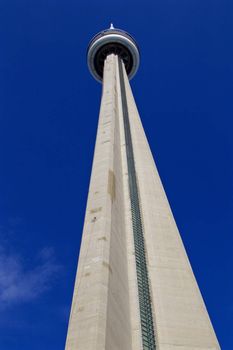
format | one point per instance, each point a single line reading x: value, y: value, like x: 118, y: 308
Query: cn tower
x: 134, y: 289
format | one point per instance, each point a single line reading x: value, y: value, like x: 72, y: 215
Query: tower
x: 134, y: 289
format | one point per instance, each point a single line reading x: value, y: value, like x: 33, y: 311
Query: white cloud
x: 19, y: 284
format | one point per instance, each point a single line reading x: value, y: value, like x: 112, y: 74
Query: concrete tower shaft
x: 134, y: 289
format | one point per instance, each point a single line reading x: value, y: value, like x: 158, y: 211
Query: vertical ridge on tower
x: 147, y: 327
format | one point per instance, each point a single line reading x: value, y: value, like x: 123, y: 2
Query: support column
x: 100, y: 317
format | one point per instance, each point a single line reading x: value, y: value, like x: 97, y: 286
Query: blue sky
x: 49, y: 107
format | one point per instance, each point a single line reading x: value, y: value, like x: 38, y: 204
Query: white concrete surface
x: 105, y: 308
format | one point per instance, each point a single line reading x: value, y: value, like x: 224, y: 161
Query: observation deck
x: 110, y: 41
